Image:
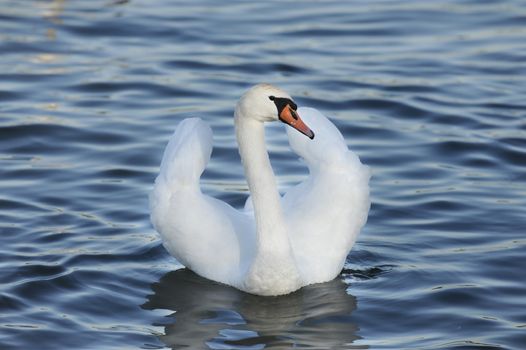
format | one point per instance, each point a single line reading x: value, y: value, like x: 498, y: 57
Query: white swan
x: 275, y: 245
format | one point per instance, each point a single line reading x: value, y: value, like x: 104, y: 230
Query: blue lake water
x: 430, y: 94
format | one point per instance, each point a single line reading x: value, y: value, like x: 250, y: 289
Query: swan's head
x: 267, y: 103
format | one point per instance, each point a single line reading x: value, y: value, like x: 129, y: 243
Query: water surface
x: 429, y: 94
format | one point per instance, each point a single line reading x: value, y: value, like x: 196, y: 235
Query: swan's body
x: 275, y: 245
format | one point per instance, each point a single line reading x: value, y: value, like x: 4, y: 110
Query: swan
x: 274, y: 245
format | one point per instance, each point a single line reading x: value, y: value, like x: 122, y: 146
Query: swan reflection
x: 208, y: 314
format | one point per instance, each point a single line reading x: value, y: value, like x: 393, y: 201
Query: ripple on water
x: 429, y: 94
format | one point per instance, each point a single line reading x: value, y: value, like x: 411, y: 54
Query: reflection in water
x: 317, y: 316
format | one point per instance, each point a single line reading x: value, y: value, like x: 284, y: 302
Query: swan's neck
x: 273, y: 270
x: 271, y: 232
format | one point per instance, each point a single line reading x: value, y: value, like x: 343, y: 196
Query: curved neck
x: 271, y: 233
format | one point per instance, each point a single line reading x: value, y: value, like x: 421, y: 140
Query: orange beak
x: 291, y: 117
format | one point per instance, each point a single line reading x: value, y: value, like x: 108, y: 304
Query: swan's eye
x: 272, y: 98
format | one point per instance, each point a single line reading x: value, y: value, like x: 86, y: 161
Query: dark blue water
x: 431, y: 95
